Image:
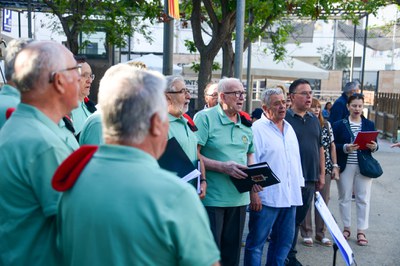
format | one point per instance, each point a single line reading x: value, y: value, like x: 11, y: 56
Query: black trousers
x: 307, y: 193
x: 227, y: 225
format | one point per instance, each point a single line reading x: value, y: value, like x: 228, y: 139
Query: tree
x: 342, y: 57
x: 220, y: 19
x: 118, y: 19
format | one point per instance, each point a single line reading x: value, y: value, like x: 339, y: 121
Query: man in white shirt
x: 273, y: 210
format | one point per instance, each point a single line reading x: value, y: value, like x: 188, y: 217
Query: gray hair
x: 39, y: 59
x: 266, y: 96
x: 128, y: 98
x: 13, y: 48
x: 225, y: 83
x: 350, y: 86
x: 171, y: 81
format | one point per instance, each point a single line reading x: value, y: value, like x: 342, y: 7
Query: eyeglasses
x: 78, y: 67
x: 238, y: 94
x: 304, y: 93
x: 182, y: 91
x: 87, y: 76
x: 214, y: 95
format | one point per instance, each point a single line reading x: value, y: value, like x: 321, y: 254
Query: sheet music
x: 333, y: 228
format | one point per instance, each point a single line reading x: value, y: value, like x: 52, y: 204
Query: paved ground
x: 384, y: 229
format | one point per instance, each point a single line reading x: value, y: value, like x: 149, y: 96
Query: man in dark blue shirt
x: 308, y: 132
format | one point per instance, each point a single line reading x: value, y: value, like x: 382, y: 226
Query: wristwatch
x: 203, y: 180
x: 335, y: 165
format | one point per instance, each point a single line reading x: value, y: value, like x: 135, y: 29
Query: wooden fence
x: 386, y: 114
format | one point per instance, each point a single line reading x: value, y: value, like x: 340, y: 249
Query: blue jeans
x: 279, y: 224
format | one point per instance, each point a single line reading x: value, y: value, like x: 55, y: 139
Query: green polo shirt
x: 79, y: 116
x: 179, y: 129
x: 125, y: 210
x: 223, y: 140
x: 92, y: 131
x: 9, y: 98
x: 31, y: 148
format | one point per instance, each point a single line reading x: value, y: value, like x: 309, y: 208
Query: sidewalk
x: 384, y: 225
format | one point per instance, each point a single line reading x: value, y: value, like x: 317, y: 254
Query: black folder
x: 174, y: 159
x: 259, y: 173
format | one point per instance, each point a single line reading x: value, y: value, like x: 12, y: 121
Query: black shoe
x: 292, y: 262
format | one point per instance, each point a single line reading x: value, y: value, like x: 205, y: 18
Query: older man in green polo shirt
x: 31, y: 147
x: 124, y: 209
x: 226, y: 146
x: 181, y: 125
x: 9, y: 95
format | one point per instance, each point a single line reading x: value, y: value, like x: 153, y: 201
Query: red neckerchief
x: 245, y: 119
x: 90, y: 105
x: 9, y: 112
x: 190, y: 123
x: 69, y: 170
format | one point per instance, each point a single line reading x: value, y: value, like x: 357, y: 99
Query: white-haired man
x: 9, y: 95
x: 226, y: 146
x: 181, y: 126
x: 31, y: 148
x: 273, y: 210
x: 138, y: 213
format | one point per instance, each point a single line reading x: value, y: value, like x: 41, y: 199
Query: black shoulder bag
x: 368, y: 165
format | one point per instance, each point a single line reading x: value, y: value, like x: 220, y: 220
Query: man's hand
x: 203, y: 189
x: 320, y: 184
x: 255, y: 202
x: 235, y: 170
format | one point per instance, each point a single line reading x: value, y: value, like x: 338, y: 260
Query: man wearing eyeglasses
x: 226, y: 146
x: 86, y: 106
x: 181, y: 125
x: 211, y: 95
x: 32, y: 145
x: 308, y: 133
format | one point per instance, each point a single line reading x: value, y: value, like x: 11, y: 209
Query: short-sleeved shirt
x: 138, y: 214
x: 308, y: 132
x: 92, y: 131
x: 281, y: 151
x: 9, y: 98
x: 70, y: 136
x: 79, y: 116
x: 31, y: 148
x: 223, y: 140
x: 179, y: 129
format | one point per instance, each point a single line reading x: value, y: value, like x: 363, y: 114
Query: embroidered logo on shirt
x: 245, y: 139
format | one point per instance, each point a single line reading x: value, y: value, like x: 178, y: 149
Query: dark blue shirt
x: 308, y: 132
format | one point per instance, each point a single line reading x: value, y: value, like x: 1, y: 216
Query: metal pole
x: 19, y: 24
x: 249, y: 101
x: 364, y: 52
x: 29, y: 19
x: 352, y: 57
x: 168, y: 42
x: 334, y: 44
x: 393, y: 43
x: 240, y: 6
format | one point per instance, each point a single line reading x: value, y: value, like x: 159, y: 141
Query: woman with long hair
x: 350, y: 178
x: 331, y: 172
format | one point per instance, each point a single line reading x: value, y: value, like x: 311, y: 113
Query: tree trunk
x: 204, y: 77
x: 228, y: 57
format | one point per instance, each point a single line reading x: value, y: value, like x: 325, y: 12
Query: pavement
x: 384, y: 224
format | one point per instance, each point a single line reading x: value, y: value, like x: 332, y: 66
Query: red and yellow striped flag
x: 173, y: 9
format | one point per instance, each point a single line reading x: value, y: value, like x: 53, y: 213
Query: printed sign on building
x: 7, y: 14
